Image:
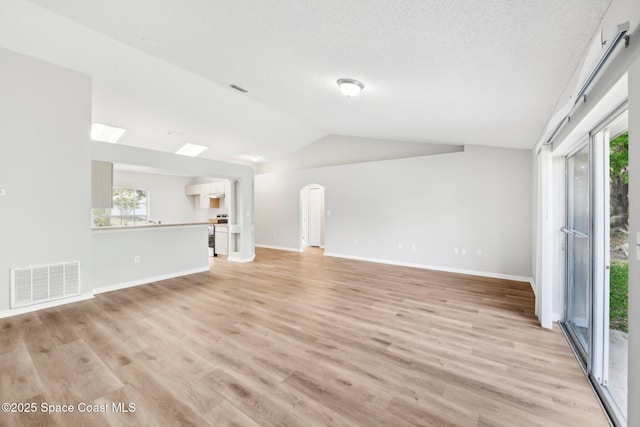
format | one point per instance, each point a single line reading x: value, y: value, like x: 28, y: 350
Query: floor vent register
x: 43, y: 283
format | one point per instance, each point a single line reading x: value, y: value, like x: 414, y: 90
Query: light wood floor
x: 299, y: 340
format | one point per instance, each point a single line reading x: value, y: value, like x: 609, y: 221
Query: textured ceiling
x: 351, y: 150
x: 455, y: 71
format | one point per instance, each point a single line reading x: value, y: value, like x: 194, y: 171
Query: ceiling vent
x: 238, y: 88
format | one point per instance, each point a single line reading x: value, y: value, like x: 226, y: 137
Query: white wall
x: 634, y: 253
x: 479, y: 199
x: 163, y: 252
x: 168, y: 202
x: 45, y: 117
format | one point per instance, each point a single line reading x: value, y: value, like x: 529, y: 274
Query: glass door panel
x: 577, y: 231
x: 611, y: 362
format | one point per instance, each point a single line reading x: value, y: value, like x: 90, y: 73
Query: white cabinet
x: 212, y: 187
x: 202, y: 190
x: 222, y: 240
x: 101, y: 185
x: 192, y: 190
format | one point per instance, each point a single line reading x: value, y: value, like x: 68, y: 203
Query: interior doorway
x: 311, y: 216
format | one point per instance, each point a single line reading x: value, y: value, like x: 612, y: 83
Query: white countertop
x: 147, y: 226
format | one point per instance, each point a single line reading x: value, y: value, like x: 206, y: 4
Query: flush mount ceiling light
x: 350, y: 87
x: 191, y: 149
x: 105, y: 133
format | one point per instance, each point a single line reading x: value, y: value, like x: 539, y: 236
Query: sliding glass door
x: 596, y: 238
x: 610, y: 144
x: 577, y: 230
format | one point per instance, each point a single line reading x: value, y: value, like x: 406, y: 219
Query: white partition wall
x: 45, y: 167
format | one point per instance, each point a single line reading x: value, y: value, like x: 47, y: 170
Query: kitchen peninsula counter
x: 148, y: 226
x: 133, y: 255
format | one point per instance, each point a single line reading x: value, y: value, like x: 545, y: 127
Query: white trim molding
x: 279, y: 248
x: 146, y: 280
x: 437, y: 268
x: 45, y: 305
x: 234, y: 258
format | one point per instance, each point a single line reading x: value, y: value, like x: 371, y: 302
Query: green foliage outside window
x: 130, y: 207
x: 619, y: 221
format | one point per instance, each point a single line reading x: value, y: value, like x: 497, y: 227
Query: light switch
x: 3, y: 192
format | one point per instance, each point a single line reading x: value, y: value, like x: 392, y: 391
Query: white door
x: 315, y: 216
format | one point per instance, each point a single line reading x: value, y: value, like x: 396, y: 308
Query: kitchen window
x: 130, y: 207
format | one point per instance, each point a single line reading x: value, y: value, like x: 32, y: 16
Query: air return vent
x: 38, y: 284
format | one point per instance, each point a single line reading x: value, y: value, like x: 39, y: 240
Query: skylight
x: 105, y: 133
x: 191, y: 149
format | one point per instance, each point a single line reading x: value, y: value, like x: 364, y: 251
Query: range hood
x: 214, y: 195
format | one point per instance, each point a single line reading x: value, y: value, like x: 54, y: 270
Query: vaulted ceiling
x: 452, y: 72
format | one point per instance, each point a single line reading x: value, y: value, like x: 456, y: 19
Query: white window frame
x: 110, y: 212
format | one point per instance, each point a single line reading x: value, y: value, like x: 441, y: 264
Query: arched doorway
x: 311, y: 216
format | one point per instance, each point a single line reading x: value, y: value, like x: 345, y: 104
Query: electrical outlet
x: 3, y: 192
x: 136, y: 259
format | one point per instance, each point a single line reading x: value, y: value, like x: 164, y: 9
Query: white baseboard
x: 237, y: 259
x: 436, y: 268
x: 146, y: 280
x: 44, y: 305
x: 50, y: 304
x: 533, y: 287
x: 279, y: 248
